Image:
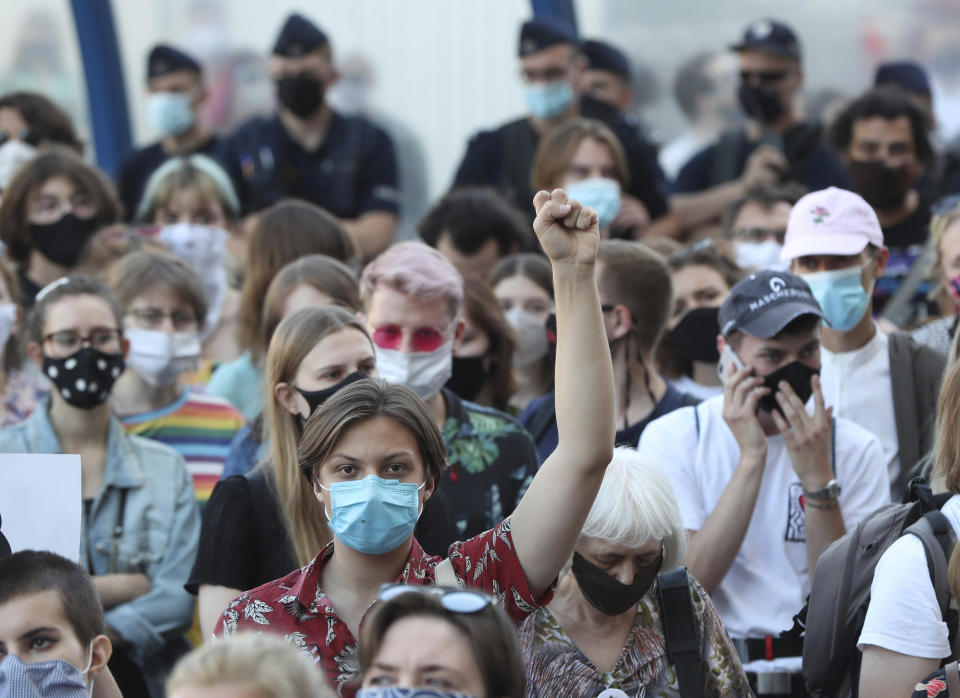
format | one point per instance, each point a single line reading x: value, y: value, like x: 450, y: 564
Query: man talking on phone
x: 765, y: 476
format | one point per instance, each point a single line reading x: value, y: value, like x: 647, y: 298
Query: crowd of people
x: 590, y: 435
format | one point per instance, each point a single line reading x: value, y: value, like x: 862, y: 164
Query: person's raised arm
x: 547, y: 522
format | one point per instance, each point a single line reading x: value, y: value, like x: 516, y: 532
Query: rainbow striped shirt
x: 199, y: 427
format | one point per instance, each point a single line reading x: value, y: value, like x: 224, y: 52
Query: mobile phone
x: 728, y: 357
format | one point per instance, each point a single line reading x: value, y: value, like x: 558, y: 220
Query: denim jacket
x: 156, y: 534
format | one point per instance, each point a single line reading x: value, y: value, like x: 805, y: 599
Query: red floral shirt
x: 296, y: 607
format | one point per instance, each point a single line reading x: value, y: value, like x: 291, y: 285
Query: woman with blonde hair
x: 259, y: 526
x: 247, y: 666
x: 944, y: 277
x: 904, y: 636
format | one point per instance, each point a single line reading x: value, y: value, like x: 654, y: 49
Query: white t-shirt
x: 768, y: 580
x: 686, y: 384
x: 857, y: 385
x: 903, y: 615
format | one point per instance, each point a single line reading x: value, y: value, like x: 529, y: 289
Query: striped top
x: 199, y: 427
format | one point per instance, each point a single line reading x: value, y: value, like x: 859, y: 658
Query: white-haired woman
x: 604, y: 628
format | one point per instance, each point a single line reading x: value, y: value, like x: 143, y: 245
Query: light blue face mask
x: 398, y: 692
x: 841, y: 296
x: 601, y: 193
x: 54, y: 678
x: 169, y: 113
x: 373, y: 515
x: 546, y: 100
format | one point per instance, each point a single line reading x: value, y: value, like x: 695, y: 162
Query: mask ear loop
x: 86, y: 671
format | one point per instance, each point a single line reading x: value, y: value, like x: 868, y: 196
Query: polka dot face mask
x: 84, y: 379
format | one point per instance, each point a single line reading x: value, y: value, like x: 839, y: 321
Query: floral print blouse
x: 556, y: 667
x: 296, y: 607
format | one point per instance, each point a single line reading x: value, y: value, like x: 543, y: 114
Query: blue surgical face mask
x: 547, y: 100
x: 600, y: 193
x: 841, y: 296
x: 404, y: 692
x: 169, y: 113
x: 373, y: 515
x: 54, y: 678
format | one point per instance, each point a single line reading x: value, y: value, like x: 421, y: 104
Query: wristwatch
x: 831, y: 491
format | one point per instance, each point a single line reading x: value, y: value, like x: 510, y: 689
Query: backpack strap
x: 696, y: 420
x: 680, y: 630
x: 936, y: 535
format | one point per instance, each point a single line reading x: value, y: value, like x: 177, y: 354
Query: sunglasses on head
x: 453, y: 600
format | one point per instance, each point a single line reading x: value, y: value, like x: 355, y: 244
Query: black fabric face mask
x: 760, y: 103
x: 85, y: 378
x: 62, y: 241
x: 884, y: 188
x: 302, y: 94
x: 315, y: 398
x: 467, y: 377
x: 695, y: 336
x: 797, y: 374
x: 608, y: 594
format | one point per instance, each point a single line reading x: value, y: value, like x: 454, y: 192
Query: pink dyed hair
x: 416, y: 270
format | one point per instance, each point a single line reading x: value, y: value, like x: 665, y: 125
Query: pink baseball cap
x: 830, y: 221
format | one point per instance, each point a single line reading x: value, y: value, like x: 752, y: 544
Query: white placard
x: 40, y: 502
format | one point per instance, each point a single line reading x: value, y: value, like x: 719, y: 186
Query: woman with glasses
x: 164, y: 312
x: 373, y: 455
x: 50, y: 210
x: 140, y: 520
x: 443, y: 642
x: 605, y: 627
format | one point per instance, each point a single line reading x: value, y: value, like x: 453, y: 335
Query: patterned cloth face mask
x: 403, y: 692
x: 54, y: 678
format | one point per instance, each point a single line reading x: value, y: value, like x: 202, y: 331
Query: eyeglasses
x: 391, y: 336
x: 67, y: 342
x: 764, y: 77
x: 152, y: 318
x: 453, y: 600
x: 760, y: 234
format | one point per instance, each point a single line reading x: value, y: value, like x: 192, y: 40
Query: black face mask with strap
x: 608, y: 594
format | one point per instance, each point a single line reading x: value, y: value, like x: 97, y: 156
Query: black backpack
x: 837, y: 606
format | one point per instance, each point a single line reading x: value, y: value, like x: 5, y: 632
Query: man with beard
x: 776, y: 146
x: 308, y: 151
x: 884, y: 142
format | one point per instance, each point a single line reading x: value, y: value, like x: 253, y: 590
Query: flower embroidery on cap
x: 819, y: 213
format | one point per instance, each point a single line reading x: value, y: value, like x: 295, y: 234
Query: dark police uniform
x: 353, y: 171
x: 139, y: 165
x: 503, y: 158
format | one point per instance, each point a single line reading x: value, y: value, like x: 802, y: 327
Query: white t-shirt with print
x: 768, y: 581
x: 903, y: 615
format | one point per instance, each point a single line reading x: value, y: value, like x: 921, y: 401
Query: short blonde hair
x: 635, y: 505
x: 257, y: 662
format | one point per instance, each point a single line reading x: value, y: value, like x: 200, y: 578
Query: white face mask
x: 204, y: 249
x: 532, y: 336
x: 759, y: 255
x: 13, y: 153
x: 160, y: 357
x: 424, y: 372
x: 8, y: 318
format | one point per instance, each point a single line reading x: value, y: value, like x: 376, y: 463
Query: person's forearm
x: 823, y: 527
x: 116, y: 589
x: 371, y: 233
x: 667, y: 225
x: 713, y: 548
x: 584, y: 373
x: 702, y: 206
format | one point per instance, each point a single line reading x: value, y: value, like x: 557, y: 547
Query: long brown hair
x: 284, y: 232
x: 485, y: 313
x: 557, y: 149
x: 318, y: 270
x: 295, y: 337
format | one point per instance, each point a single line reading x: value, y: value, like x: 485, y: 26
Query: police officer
x: 777, y: 145
x: 175, y: 93
x: 308, y: 151
x: 552, y: 67
x: 607, y: 76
